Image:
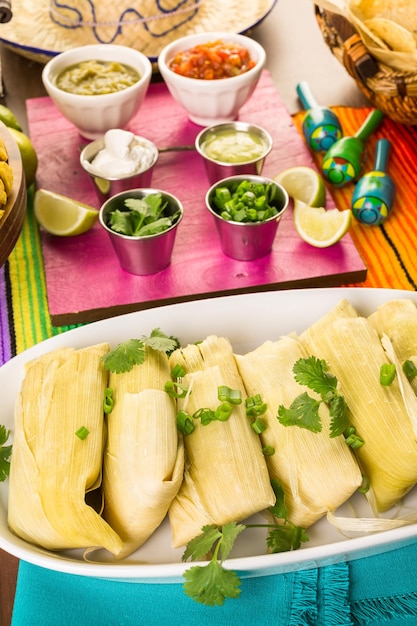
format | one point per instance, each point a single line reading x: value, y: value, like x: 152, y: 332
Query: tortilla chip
x: 402, y: 12
x: 6, y: 176
x: 395, y: 36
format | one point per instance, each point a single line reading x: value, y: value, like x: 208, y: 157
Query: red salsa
x: 212, y: 60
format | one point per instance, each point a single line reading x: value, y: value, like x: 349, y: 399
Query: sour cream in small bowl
x: 118, y: 161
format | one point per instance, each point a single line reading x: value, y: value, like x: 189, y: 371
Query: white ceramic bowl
x: 94, y: 115
x: 211, y: 101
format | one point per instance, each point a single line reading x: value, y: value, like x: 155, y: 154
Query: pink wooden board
x: 83, y: 278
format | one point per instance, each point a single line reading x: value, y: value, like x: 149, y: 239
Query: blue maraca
x: 321, y: 127
x: 374, y: 193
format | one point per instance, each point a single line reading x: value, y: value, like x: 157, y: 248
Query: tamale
x: 144, y: 456
x: 51, y: 467
x: 398, y: 320
x: 226, y: 478
x: 354, y: 354
x: 317, y: 473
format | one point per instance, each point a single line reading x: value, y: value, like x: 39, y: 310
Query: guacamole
x: 95, y: 78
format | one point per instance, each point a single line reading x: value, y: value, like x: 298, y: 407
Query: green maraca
x: 342, y: 163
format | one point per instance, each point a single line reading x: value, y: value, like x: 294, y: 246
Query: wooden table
x: 295, y: 51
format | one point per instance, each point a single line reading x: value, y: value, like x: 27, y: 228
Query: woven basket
x: 392, y: 91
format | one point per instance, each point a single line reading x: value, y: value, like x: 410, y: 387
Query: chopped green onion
x: 386, y: 374
x: 82, y: 433
x: 258, y: 425
x: 268, y: 450
x: 177, y: 372
x: 223, y: 411
x: 175, y: 389
x: 204, y: 415
x: 225, y: 394
x: 255, y: 406
x: 353, y: 440
x: 185, y: 423
x: 409, y: 369
x: 108, y: 400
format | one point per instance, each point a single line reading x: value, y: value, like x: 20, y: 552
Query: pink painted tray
x: 83, y: 278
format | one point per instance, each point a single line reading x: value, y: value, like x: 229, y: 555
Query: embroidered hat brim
x: 40, y: 29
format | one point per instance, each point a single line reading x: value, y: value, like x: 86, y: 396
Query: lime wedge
x: 318, y: 227
x: 303, y: 183
x: 63, y: 216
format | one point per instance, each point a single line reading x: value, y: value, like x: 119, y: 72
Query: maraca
x: 343, y: 161
x: 374, y: 194
x: 321, y: 127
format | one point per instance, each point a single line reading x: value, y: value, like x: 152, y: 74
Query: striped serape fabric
x: 387, y: 250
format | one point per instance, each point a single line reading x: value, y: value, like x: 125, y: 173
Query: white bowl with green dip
x: 98, y: 87
x: 233, y: 148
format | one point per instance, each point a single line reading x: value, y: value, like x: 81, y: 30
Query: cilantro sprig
x: 133, y: 351
x: 5, y: 453
x: 313, y: 373
x: 142, y: 217
x: 212, y: 584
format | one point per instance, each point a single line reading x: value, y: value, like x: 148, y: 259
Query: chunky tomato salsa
x: 212, y: 60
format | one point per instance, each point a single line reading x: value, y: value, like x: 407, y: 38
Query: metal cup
x: 219, y: 169
x: 142, y: 255
x: 107, y: 187
x: 247, y: 241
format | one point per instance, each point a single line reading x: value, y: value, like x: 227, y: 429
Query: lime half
x: 63, y: 216
x: 318, y: 227
x: 303, y: 183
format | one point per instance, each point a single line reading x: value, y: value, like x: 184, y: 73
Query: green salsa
x: 233, y: 146
x: 96, y: 78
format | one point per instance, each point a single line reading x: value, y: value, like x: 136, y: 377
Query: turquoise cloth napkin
x: 371, y: 591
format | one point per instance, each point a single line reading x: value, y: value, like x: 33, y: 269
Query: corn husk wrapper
x: 51, y: 468
x: 398, y: 320
x: 144, y: 456
x: 317, y: 473
x: 226, y: 477
x: 354, y: 354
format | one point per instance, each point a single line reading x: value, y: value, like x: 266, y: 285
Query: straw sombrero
x: 39, y: 29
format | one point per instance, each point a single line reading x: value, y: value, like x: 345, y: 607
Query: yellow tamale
x: 317, y: 473
x: 51, y: 467
x: 226, y: 478
x: 144, y: 456
x: 354, y: 354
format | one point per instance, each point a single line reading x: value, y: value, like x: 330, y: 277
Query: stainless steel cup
x: 142, y: 255
x: 106, y: 187
x: 247, y: 241
x: 219, y: 169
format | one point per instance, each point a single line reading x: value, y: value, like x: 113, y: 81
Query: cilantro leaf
x: 339, y: 418
x: 141, y: 217
x: 303, y: 412
x: 200, y: 546
x: 124, y: 356
x: 312, y: 373
x: 5, y: 453
x: 229, y: 535
x: 279, y: 509
x: 211, y: 584
x: 132, y: 352
x: 158, y: 340
x: 286, y: 537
